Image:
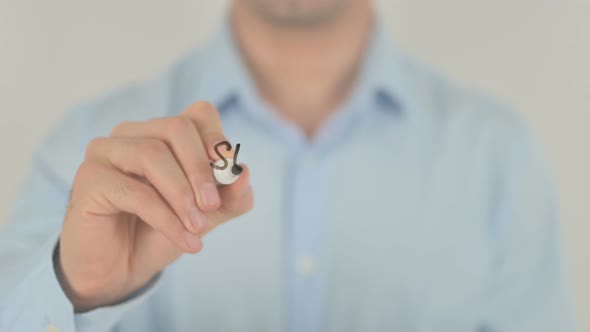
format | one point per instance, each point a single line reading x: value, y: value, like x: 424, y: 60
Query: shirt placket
x: 305, y: 241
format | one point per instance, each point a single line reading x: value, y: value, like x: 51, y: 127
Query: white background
x: 533, y: 54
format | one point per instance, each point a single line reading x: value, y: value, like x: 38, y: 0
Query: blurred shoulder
x: 457, y: 108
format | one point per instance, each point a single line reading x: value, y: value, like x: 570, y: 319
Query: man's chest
x: 397, y: 244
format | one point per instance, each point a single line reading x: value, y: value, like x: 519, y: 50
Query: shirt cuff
x: 105, y: 318
x: 38, y: 303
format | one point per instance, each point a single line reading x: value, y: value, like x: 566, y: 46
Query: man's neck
x: 304, y: 73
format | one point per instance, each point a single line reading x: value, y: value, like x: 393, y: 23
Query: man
x: 387, y: 198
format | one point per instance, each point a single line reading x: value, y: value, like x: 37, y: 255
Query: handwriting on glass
x: 228, y: 147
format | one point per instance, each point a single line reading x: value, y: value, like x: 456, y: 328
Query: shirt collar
x: 382, y: 83
x: 216, y: 73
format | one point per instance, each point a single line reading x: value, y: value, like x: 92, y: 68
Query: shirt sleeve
x: 31, y: 298
x: 530, y: 291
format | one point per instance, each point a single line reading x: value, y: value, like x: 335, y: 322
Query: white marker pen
x: 222, y: 172
x: 228, y: 175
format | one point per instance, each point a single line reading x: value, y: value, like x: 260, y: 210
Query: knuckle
x: 121, y: 189
x: 87, y: 175
x: 140, y: 195
x: 202, y: 110
x: 203, y: 106
x: 152, y: 148
x: 142, y: 192
x: 88, y: 169
x: 213, y: 136
x: 179, y: 124
x: 120, y: 128
x: 93, y: 146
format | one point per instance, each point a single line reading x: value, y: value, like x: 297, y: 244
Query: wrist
x: 86, y: 296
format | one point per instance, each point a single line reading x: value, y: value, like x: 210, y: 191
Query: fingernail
x: 198, y: 219
x: 193, y: 241
x: 209, y: 194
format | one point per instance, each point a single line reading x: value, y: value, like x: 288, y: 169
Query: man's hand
x: 141, y: 198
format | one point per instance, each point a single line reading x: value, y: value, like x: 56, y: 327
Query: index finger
x: 208, y: 123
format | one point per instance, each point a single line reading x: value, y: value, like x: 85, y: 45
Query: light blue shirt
x: 420, y: 206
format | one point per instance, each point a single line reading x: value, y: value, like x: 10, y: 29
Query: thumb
x: 236, y: 199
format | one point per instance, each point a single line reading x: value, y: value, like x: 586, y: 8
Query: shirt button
x: 306, y: 265
x: 52, y: 328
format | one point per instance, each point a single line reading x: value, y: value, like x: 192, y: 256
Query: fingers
x: 181, y: 135
x: 237, y: 199
x: 173, y: 154
x: 208, y: 123
x: 237, y: 190
x: 153, y: 160
x: 117, y: 193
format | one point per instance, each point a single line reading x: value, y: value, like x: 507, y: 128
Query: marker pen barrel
x: 228, y: 175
